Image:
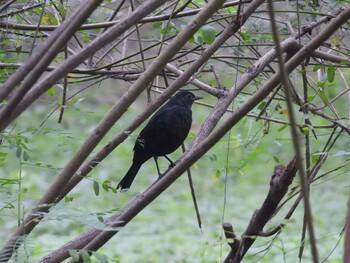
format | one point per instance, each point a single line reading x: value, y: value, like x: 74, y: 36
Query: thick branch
x: 280, y: 181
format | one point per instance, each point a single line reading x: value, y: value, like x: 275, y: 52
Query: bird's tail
x: 127, y: 180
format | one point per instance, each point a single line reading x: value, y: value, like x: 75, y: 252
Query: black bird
x: 163, y: 134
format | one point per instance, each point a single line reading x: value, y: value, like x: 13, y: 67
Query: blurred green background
x: 231, y: 181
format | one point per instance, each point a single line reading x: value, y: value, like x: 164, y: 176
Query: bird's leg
x: 158, y: 170
x: 172, y: 164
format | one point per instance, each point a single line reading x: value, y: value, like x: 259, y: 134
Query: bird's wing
x: 165, y: 131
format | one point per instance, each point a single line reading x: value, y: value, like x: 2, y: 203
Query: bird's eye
x: 189, y: 96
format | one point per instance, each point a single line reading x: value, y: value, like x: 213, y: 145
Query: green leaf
x: 53, y: 20
x: 261, y: 105
x: 167, y: 29
x: 86, y: 37
x: 100, y: 257
x: 323, y: 95
x: 86, y: 257
x: 218, y: 173
x: 232, y: 10
x: 96, y: 188
x: 317, y: 67
x: 61, y: 10
x: 330, y: 73
x: 246, y: 36
x: 282, y: 127
x: 305, y: 130
x: 208, y: 33
x: 276, y: 159
x: 45, y: 19
x: 51, y: 91
x: 25, y: 156
x: 105, y: 185
x: 68, y: 199
x: 157, y: 24
x: 321, y: 83
x: 19, y: 151
x: 311, y: 98
x: 2, y: 158
x: 315, y: 157
x: 74, y: 255
x: 114, y: 190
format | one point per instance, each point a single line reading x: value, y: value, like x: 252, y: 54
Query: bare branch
x: 281, y: 178
x: 108, y: 24
x: 31, y: 70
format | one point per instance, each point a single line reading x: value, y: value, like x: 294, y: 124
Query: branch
x: 281, y: 178
x: 43, y: 85
x: 6, y: 5
x: 230, y: 235
x: 151, y: 19
x: 31, y: 70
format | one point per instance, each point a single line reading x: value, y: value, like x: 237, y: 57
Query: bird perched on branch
x: 163, y: 134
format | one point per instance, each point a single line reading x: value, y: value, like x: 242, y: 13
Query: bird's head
x: 185, y: 97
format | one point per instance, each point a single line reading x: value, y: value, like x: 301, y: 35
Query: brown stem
x: 281, y: 178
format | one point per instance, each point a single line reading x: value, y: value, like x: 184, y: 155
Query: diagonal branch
x: 36, y: 64
x: 106, y: 25
x: 43, y: 85
x: 281, y: 178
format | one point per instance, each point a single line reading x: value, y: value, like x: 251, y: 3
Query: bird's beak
x: 198, y: 97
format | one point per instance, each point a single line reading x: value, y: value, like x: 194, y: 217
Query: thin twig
x: 193, y: 194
